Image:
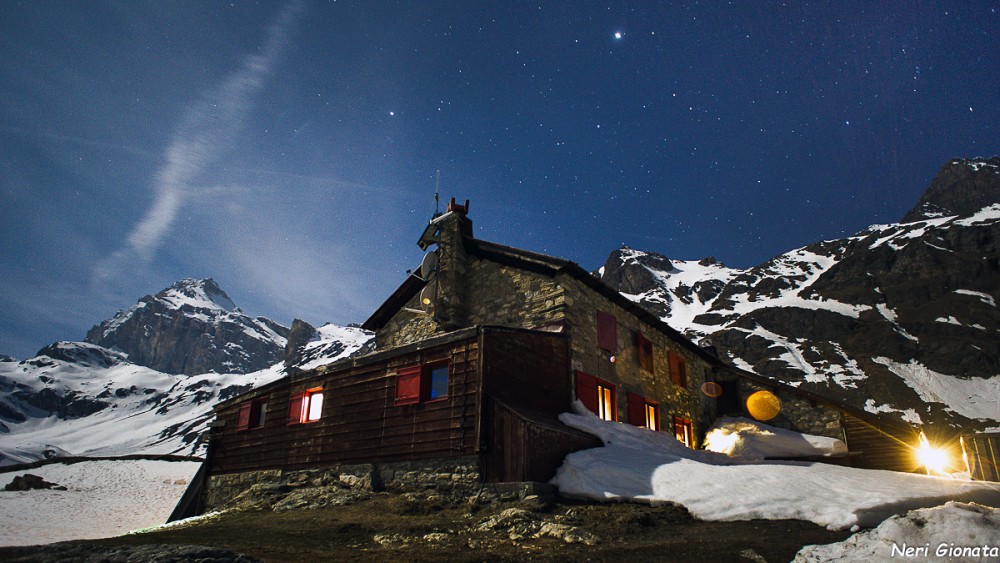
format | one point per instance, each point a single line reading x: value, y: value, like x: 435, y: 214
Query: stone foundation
x: 452, y: 477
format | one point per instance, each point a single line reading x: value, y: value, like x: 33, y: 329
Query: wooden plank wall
x: 983, y: 451
x: 359, y: 422
x: 527, y: 369
x: 522, y: 449
x: 879, y: 447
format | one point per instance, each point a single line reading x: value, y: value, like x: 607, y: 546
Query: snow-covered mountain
x: 192, y: 327
x: 85, y: 399
x: 899, y: 319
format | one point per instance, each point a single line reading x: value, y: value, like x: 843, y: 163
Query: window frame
x: 684, y: 431
x: 252, y: 414
x: 639, y: 410
x: 420, y: 377
x: 300, y: 404
x: 588, y: 391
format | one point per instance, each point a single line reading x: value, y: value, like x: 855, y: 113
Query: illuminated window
x: 421, y: 383
x: 306, y: 406
x: 652, y: 417
x: 684, y: 431
x: 597, y: 395
x: 605, y: 402
x: 643, y: 412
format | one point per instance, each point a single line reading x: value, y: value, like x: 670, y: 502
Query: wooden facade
x: 362, y: 420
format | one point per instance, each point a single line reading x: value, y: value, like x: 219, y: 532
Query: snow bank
x: 956, y: 531
x: 748, y: 439
x: 104, y: 499
x: 636, y: 463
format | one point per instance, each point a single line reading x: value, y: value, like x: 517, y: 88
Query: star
x: 619, y: 35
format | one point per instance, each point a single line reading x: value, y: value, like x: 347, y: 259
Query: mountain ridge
x: 877, y: 320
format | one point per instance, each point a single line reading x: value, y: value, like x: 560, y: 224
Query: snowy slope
x: 113, y: 407
x: 103, y: 499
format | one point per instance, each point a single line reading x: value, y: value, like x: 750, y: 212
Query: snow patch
x: 639, y: 464
x: 974, y: 397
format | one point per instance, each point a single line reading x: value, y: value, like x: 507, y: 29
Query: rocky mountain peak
x: 192, y: 327
x: 961, y: 187
x: 197, y: 294
x: 634, y: 271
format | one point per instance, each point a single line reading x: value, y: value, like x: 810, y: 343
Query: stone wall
x: 453, y: 476
x: 800, y: 413
x: 625, y: 372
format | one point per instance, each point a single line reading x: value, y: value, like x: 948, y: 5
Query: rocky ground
x: 337, y: 524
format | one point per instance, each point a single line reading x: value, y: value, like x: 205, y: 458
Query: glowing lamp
x: 613, y: 358
x: 934, y: 460
x: 763, y: 405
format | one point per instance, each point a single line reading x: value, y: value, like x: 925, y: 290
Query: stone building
x: 476, y: 355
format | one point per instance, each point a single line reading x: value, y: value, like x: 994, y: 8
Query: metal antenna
x: 437, y: 189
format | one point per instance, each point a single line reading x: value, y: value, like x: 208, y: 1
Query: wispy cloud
x: 208, y: 127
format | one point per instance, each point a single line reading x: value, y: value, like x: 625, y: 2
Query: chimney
x: 448, y: 232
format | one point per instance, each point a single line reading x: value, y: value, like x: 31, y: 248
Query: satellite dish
x: 428, y: 295
x: 429, y: 265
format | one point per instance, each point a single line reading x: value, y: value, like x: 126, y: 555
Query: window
x: 252, y: 414
x: 645, y: 353
x: 597, y: 395
x: 605, y: 402
x: 678, y: 369
x: 684, y: 431
x: 642, y: 412
x: 437, y: 382
x: 421, y: 383
x: 306, y: 406
x: 607, y: 332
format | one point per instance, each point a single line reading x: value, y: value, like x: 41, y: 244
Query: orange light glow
x: 763, y: 405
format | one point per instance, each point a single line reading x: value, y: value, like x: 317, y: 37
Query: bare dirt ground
x: 408, y: 527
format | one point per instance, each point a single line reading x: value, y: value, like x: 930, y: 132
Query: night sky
x: 289, y: 150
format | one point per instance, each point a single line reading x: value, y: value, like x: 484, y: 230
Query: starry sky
x: 289, y: 150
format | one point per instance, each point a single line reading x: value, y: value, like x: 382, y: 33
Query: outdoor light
x: 613, y: 358
x: 934, y: 460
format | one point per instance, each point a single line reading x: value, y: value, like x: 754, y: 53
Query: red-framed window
x: 306, y: 406
x: 607, y: 332
x: 415, y: 384
x: 252, y: 414
x: 597, y: 395
x: 684, y: 431
x: 645, y: 352
x: 678, y: 369
x: 643, y: 412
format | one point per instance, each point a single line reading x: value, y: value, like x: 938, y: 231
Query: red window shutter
x: 607, y: 332
x: 636, y: 409
x: 586, y: 391
x: 243, y: 419
x: 645, y: 353
x: 408, y: 385
x: 295, y: 408
x: 678, y: 370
